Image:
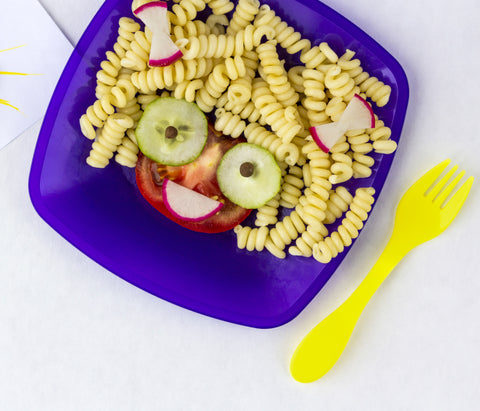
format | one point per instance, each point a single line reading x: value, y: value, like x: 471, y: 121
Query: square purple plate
x: 102, y: 213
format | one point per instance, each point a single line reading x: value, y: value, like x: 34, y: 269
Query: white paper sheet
x: 44, y: 52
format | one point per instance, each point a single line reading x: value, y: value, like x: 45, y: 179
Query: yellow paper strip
x: 6, y: 103
x: 12, y: 48
x: 13, y: 73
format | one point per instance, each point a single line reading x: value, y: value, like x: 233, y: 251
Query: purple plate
x: 102, y: 213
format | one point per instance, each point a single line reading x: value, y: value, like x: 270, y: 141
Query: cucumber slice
x: 171, y: 131
x: 249, y: 176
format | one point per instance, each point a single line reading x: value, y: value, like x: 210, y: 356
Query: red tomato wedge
x: 201, y: 176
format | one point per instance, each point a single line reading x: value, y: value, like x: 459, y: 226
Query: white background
x: 75, y: 337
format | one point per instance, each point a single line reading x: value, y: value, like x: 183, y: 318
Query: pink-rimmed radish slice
x: 326, y: 135
x: 154, y: 15
x: 186, y: 204
x: 357, y: 115
x: 163, y: 50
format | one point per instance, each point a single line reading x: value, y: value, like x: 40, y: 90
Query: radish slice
x: 357, y: 115
x: 163, y: 51
x: 326, y: 135
x: 187, y: 204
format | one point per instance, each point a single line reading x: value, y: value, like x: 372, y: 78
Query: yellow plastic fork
x: 422, y: 214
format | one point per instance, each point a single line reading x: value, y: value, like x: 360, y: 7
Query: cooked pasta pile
x: 231, y: 67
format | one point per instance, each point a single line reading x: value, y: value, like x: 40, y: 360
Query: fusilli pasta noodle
x: 251, y: 239
x: 245, y: 12
x: 110, y: 138
x: 284, y: 233
x: 228, y: 123
x: 225, y: 45
x: 331, y: 246
x: 256, y: 134
x: 127, y: 153
x: 267, y: 214
x: 292, y: 186
x: 185, y: 10
x: 220, y: 7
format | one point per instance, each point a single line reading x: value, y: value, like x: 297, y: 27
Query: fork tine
x: 445, y: 193
x: 424, y: 182
x: 441, y: 184
x: 454, y: 205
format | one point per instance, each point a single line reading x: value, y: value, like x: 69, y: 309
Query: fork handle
x: 321, y: 348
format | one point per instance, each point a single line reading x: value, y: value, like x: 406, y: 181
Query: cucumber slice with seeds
x: 249, y: 175
x: 172, y: 132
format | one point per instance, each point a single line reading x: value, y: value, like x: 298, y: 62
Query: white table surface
x: 76, y: 337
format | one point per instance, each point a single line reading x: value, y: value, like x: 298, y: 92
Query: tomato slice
x: 201, y: 176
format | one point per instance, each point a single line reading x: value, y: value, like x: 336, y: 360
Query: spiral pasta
x: 313, y: 203
x: 239, y: 93
x: 228, y: 123
x: 246, y: 111
x: 384, y: 146
x: 318, y: 56
x: 292, y: 186
x: 157, y: 78
x: 123, y: 91
x: 251, y: 238
x: 137, y: 56
x: 314, y: 102
x: 362, y: 165
x: 217, y: 23
x: 95, y: 117
x: 185, y: 11
x: 284, y: 233
x: 267, y: 214
x: 319, y: 161
x: 187, y: 89
x: 286, y: 36
x: 107, y: 76
x: 337, y: 204
x: 127, y: 153
x: 127, y: 27
x: 296, y: 78
x: 217, y: 82
x: 273, y: 112
x: 190, y: 29
x: 341, y: 168
x: 379, y: 132
x: 331, y: 246
x: 213, y: 46
x: 133, y: 110
x: 339, y: 83
x: 256, y: 134
x: 220, y: 7
x: 376, y: 90
x: 304, y: 244
x: 235, y: 67
x: 275, y: 74
x: 110, y: 138
x: 335, y: 108
x: 244, y: 13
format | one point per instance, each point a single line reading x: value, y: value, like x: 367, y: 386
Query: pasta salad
x: 229, y: 66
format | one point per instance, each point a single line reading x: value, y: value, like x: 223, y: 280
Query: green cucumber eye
x: 249, y: 176
x: 172, y: 132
